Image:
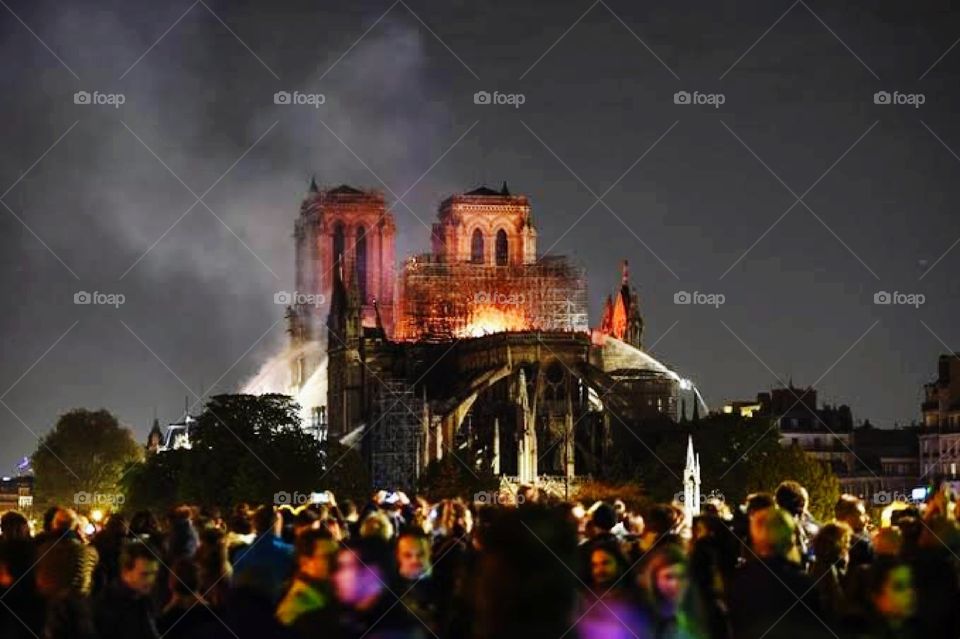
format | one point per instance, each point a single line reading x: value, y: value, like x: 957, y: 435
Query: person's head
x: 607, y: 564
x: 138, y: 567
x: 772, y: 533
x: 267, y: 521
x: 659, y: 520
x: 144, y: 524
x: 851, y: 511
x: 888, y: 542
x: 603, y: 519
x: 792, y: 497
x: 315, y: 549
x: 832, y: 542
x: 891, y: 590
x: 48, y: 516
x: 664, y: 577
x: 377, y: 525
x: 413, y: 554
x: 364, y: 566
x: 757, y: 502
x: 13, y: 525
x: 64, y: 520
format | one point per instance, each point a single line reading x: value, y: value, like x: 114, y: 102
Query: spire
x: 503, y: 189
x: 691, y: 458
x: 625, y: 273
x: 313, y: 185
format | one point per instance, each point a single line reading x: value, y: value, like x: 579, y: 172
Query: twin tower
x: 483, y: 274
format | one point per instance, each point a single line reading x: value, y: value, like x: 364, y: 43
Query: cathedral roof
x: 483, y: 190
x: 345, y: 189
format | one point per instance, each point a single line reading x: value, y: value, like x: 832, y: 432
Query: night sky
x: 798, y: 198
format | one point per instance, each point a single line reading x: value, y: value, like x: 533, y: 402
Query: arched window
x: 338, y: 247
x: 501, y: 248
x: 476, y: 247
x: 361, y: 255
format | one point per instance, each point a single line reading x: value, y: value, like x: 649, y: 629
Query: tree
x: 81, y: 461
x: 737, y: 456
x: 243, y: 448
x: 791, y: 462
x: 248, y: 448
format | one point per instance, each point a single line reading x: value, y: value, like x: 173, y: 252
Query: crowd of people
x: 399, y: 568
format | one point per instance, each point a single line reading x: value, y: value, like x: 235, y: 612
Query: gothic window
x: 361, y: 256
x: 338, y: 246
x: 476, y: 247
x: 501, y: 248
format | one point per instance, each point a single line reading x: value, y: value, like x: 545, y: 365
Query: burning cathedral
x: 481, y: 343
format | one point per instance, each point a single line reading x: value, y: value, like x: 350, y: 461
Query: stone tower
x: 341, y: 232
x: 485, y: 226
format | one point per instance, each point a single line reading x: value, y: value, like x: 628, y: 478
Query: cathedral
x: 480, y: 345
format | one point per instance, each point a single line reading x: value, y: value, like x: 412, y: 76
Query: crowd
x: 405, y: 568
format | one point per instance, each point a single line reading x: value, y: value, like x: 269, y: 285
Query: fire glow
x: 489, y: 319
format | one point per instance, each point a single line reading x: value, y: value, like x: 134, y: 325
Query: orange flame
x: 487, y: 319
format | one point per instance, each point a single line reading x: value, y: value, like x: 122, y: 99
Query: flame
x: 488, y: 319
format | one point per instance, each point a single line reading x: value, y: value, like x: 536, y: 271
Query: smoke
x: 116, y: 198
x: 276, y: 376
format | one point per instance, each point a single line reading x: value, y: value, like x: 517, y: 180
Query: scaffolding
x: 396, y: 437
x: 441, y: 300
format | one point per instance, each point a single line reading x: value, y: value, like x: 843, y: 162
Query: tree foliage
x: 244, y: 448
x: 80, y: 462
x: 791, y: 462
x: 737, y: 456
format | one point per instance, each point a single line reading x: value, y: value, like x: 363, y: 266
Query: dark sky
x: 91, y: 188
